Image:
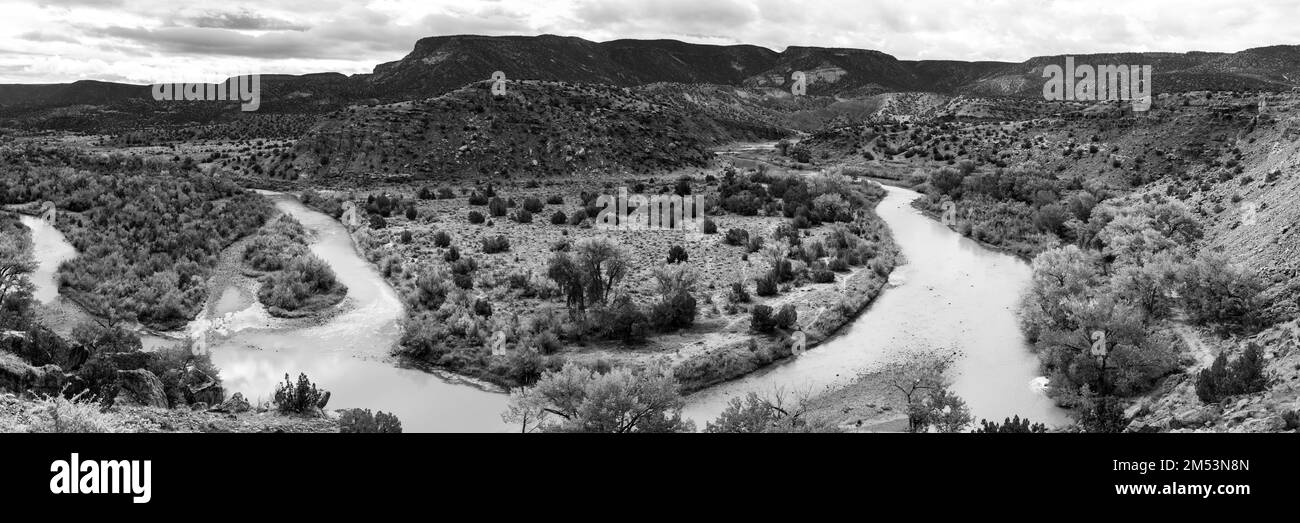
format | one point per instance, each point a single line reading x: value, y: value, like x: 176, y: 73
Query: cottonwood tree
x: 776, y: 411
x: 579, y: 399
x: 601, y: 265
x: 16, y: 264
x: 915, y: 375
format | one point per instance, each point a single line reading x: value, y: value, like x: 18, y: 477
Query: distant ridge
x: 440, y: 64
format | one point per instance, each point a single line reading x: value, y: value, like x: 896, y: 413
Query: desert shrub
x: 477, y: 199
x: 622, y: 320
x: 445, y: 194
x: 300, y: 398
x: 677, y: 254
x: 532, y: 205
x: 559, y: 218
x: 766, y: 285
x: 57, y: 414
x: 555, y: 199
x: 441, y: 239
x: 495, y: 244
x: 523, y: 216
x: 738, y: 293
x: 822, y: 275
x: 451, y: 255
x: 838, y: 264
x: 676, y: 311
x: 577, y: 218
x: 754, y: 244
x: 362, y: 421
x: 1010, y: 425
x: 411, y: 213
x: 377, y: 222
x: 497, y: 207
x: 785, y: 317
x: 406, y: 237
x: 483, y: 308
x: 736, y: 237
x: 476, y: 217
x: 710, y: 227
x: 760, y: 319
x: 1244, y: 375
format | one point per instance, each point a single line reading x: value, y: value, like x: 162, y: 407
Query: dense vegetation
x: 295, y: 280
x: 1100, y: 311
x: 146, y: 241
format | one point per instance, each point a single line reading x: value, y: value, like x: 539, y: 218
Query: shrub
x: 760, y: 319
x: 483, y: 308
x: 477, y: 199
x: 451, y: 255
x: 677, y: 254
x: 497, y: 207
x: 445, y: 194
x: 559, y: 218
x: 786, y: 317
x: 738, y: 293
x: 476, y: 217
x: 1243, y: 375
x: 441, y: 239
x: 710, y: 227
x: 406, y: 237
x: 822, y: 276
x: 523, y: 216
x: 736, y: 237
x: 411, y: 213
x: 532, y: 204
x: 622, y: 320
x: 300, y: 398
x: 838, y: 265
x: 675, y: 312
x: 1011, y: 425
x: 555, y: 199
x: 361, y: 421
x: 576, y: 218
x: 754, y: 244
x: 765, y: 285
x: 495, y: 244
x: 377, y: 222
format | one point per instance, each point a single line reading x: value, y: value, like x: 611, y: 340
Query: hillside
x: 537, y: 128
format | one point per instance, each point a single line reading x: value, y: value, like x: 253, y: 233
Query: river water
x: 951, y: 293
x: 50, y: 249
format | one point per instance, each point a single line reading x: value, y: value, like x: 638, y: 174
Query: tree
x: 776, y: 411
x: 16, y: 263
x: 579, y: 399
x: 601, y: 264
x: 941, y: 409
x: 914, y: 376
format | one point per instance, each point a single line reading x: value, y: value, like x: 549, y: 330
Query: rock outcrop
x: 140, y: 387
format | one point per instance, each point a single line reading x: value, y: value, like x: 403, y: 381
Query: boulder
x: 1192, y: 417
x: 18, y: 376
x: 140, y: 387
x: 1269, y: 424
x: 204, y: 389
x: 235, y: 404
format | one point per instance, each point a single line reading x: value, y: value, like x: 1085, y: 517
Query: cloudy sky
x: 144, y: 41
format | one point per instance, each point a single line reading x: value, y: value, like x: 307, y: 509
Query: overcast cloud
x: 146, y: 41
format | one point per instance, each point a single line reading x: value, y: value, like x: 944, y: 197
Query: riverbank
x: 950, y: 294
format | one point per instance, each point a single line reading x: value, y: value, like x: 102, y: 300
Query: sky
x: 147, y: 41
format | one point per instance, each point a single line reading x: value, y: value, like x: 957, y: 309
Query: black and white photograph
x: 883, y: 227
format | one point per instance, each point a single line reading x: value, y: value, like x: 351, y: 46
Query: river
x: 951, y: 292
